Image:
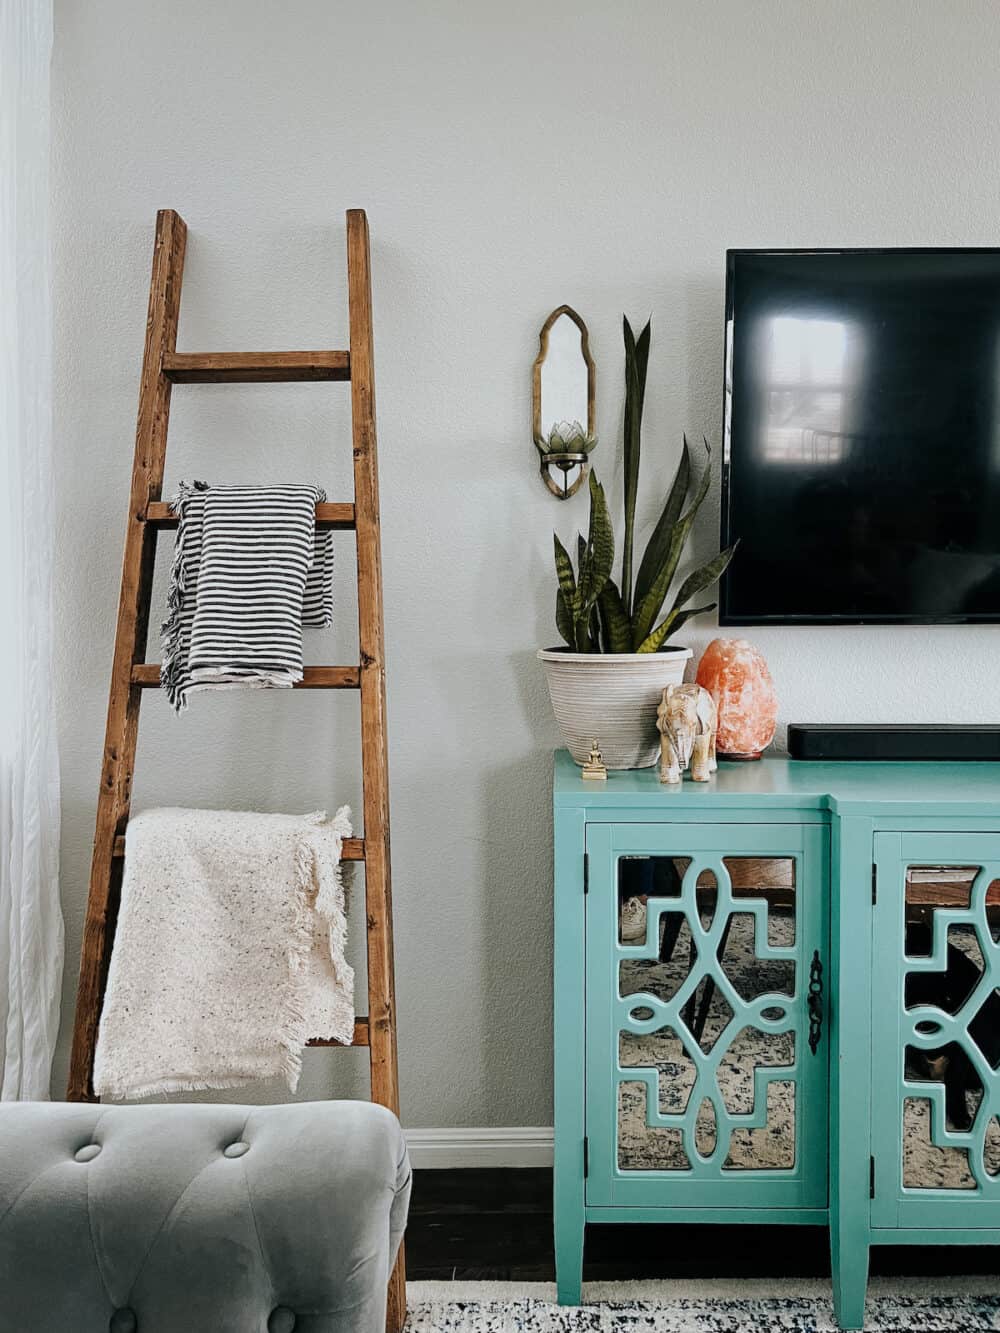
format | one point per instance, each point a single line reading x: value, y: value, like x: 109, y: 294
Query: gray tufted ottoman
x: 199, y: 1218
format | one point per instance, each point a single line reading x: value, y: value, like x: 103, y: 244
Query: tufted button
x: 237, y: 1149
x: 87, y: 1154
x: 123, y: 1321
x: 282, y: 1320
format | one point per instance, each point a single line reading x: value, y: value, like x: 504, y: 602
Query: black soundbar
x: 888, y: 741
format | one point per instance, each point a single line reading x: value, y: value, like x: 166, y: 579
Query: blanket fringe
x: 333, y: 897
x: 171, y: 667
x: 161, y: 1086
x: 292, y: 1032
x: 320, y: 890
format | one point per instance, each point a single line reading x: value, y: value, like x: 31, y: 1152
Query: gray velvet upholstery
x: 156, y: 1219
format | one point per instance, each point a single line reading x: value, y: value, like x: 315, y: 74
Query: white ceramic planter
x: 611, y: 698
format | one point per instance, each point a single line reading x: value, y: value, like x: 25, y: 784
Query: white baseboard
x: 514, y: 1146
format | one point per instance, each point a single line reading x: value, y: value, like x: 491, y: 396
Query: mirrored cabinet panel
x: 951, y: 1027
x: 713, y: 947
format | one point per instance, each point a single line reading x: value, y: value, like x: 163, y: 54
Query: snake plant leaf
x: 653, y: 643
x: 564, y: 572
x: 564, y: 621
x: 581, y: 614
x: 617, y: 631
x: 644, y: 616
x: 602, y: 535
x: 706, y: 477
x: 704, y: 577
x: 636, y: 365
x: 596, y: 569
x: 683, y: 617
x: 659, y: 541
x: 594, y: 628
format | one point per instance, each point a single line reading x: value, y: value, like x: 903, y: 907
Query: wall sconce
x: 563, y: 383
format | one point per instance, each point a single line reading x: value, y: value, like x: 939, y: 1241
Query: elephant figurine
x: 686, y: 721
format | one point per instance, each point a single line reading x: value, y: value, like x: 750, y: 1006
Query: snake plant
x: 593, y: 613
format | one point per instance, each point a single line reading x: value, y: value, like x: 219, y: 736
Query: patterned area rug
x: 895, y: 1305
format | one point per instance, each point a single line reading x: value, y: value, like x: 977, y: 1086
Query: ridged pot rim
x: 602, y: 659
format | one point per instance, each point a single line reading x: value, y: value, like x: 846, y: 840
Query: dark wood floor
x: 496, y: 1225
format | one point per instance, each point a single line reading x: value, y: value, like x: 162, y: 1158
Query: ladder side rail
x: 130, y: 647
x: 374, y: 741
x: 374, y: 745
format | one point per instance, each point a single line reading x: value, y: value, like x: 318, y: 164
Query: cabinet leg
x: 849, y: 1265
x: 569, y: 1257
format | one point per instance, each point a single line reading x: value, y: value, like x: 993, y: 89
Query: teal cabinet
x: 777, y: 999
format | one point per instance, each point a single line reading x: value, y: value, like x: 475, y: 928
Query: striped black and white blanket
x: 250, y: 569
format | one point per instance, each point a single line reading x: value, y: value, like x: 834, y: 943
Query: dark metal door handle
x: 815, y: 1002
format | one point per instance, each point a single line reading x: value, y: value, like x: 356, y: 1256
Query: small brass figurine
x: 595, y: 768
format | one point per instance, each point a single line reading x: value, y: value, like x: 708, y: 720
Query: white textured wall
x: 511, y: 157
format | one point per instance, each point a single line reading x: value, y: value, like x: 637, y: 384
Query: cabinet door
x: 703, y: 1087
x: 936, y: 1035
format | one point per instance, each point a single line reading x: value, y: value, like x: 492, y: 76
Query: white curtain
x: 31, y: 928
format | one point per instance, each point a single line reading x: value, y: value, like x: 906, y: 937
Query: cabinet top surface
x: 919, y: 789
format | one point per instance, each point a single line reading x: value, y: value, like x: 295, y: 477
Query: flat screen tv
x: 861, y: 451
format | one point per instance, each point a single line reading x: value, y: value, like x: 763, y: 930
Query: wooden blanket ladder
x: 162, y: 367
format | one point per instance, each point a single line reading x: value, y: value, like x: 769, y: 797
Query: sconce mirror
x: 562, y: 391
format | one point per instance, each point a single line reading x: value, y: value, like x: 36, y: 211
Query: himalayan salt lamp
x: 736, y: 676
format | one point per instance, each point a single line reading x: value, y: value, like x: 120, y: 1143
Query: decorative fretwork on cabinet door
x: 936, y: 1037
x: 706, y: 1058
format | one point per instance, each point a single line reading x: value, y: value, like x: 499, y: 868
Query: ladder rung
x: 360, y: 1036
x: 147, y: 675
x: 254, y: 367
x: 352, y: 849
x: 327, y: 515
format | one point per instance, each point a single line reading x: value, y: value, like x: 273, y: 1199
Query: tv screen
x: 861, y: 452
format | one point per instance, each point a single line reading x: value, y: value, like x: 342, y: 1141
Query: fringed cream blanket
x: 229, y: 953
